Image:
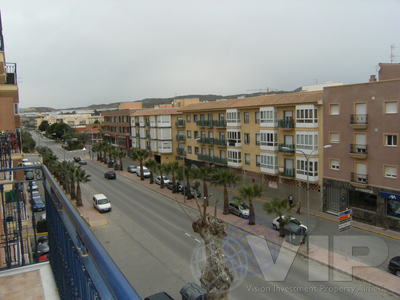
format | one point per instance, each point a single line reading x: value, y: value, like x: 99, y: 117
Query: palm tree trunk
x: 141, y: 170
x: 205, y: 192
x: 226, y: 200
x: 173, y: 183
x: 281, y: 229
x: 73, y: 195
x: 162, y: 180
x: 252, y: 217
x: 188, y: 193
x: 78, y: 195
x: 120, y: 163
x: 151, y: 177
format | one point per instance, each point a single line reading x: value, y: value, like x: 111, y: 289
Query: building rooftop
x: 265, y: 100
x: 156, y: 111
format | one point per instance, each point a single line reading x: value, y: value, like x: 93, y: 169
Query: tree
x: 43, y: 125
x: 80, y: 177
x: 173, y: 169
x: 278, y: 207
x: 247, y: 194
x: 225, y: 178
x: 28, y: 143
x: 120, y: 154
x: 204, y: 174
x: 151, y: 164
x: 140, y: 155
x: 162, y: 169
x: 216, y: 277
x: 188, y: 173
x: 71, y: 167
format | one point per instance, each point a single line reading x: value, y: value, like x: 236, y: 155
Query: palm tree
x: 278, y: 207
x: 162, y: 169
x: 120, y: 154
x: 95, y: 148
x: 225, y: 178
x: 140, y: 155
x: 71, y: 179
x: 188, y: 173
x: 173, y: 169
x: 151, y: 164
x: 204, y: 174
x: 80, y: 177
x: 247, y: 194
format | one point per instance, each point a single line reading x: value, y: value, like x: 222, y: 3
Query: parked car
x: 158, y: 180
x: 29, y: 175
x: 159, y: 296
x: 117, y: 166
x: 193, y: 192
x: 38, y: 205
x: 242, y: 210
x: 146, y: 172
x: 110, y: 163
x: 394, y: 265
x: 77, y: 159
x: 131, y: 169
x: 35, y: 194
x: 275, y: 222
x: 82, y: 162
x: 179, y: 186
x: 101, y: 203
x: 110, y: 175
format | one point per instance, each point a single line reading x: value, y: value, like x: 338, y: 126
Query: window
x: 233, y: 116
x: 247, y: 158
x: 196, y: 150
x: 334, y: 137
x: 16, y: 111
x: 258, y: 139
x: 234, y: 156
x: 247, y: 138
x: 334, y: 109
x: 222, y: 154
x: 188, y: 118
x: 302, y: 169
x: 203, y: 134
x: 194, y: 118
x: 307, y: 141
x: 210, y: 134
x: 196, y: 134
x: 269, y: 161
x: 221, y: 116
x: 391, y: 140
x: 202, y: 117
x: 258, y: 160
x: 390, y: 172
x: 306, y: 115
x: 257, y: 116
x: 234, y: 137
x: 391, y: 107
x: 335, y: 164
x: 246, y: 117
x: 268, y: 116
x: 189, y: 134
x: 189, y: 149
x: 269, y: 139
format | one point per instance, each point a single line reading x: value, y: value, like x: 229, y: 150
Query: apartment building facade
x: 362, y: 168
x: 156, y: 130
x: 268, y: 138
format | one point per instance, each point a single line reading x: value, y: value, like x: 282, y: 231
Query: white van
x: 101, y: 203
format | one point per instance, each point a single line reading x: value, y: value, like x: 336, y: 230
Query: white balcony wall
x: 306, y: 116
x: 301, y: 169
x: 269, y: 163
x: 234, y: 158
x: 269, y: 140
x: 164, y: 121
x: 134, y: 142
x: 164, y: 133
x: 232, y: 117
x: 268, y: 116
x: 153, y: 121
x: 153, y: 146
x: 142, y: 122
x: 142, y: 133
x: 165, y: 146
x: 153, y: 133
x: 307, y: 142
x: 142, y: 144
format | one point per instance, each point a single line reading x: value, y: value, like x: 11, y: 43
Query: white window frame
x: 269, y: 140
x: 232, y: 117
x: 234, y: 157
x: 234, y: 137
x: 302, y: 170
x: 307, y: 141
x: 392, y: 175
x: 269, y: 163
x: 334, y: 164
x: 268, y: 116
x: 336, y: 111
x: 333, y: 141
x: 387, y: 140
x: 394, y: 109
x: 307, y: 116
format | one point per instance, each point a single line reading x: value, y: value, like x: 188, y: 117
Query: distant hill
x: 150, y: 102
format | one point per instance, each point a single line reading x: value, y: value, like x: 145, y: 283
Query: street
x: 150, y: 238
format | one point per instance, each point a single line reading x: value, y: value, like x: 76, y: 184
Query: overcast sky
x: 82, y: 52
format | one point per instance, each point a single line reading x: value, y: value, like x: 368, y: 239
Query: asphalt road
x: 151, y: 240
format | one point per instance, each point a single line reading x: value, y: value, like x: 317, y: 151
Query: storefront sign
x: 345, y: 219
x: 364, y: 190
x: 390, y: 196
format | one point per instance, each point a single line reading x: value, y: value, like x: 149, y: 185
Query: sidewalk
x: 375, y: 276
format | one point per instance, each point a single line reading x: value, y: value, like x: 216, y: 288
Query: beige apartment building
x: 157, y: 130
x: 361, y: 169
x: 267, y: 138
x: 73, y: 120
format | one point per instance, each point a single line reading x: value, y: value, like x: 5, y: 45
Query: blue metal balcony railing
x: 81, y: 266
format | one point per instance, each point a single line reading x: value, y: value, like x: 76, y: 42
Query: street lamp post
x: 307, y: 156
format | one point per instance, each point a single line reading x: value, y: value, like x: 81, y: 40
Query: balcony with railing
x: 287, y: 148
x: 288, y: 172
x: 180, y: 137
x: 219, y: 123
x: 220, y: 142
x: 80, y: 266
x: 11, y: 73
x: 359, y: 180
x: 206, y: 140
x: 212, y: 159
x: 180, y: 123
x: 181, y: 151
x: 359, y: 121
x: 358, y: 151
x: 204, y: 123
x: 286, y: 124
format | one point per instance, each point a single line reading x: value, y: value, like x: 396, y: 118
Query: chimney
x: 372, y: 78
